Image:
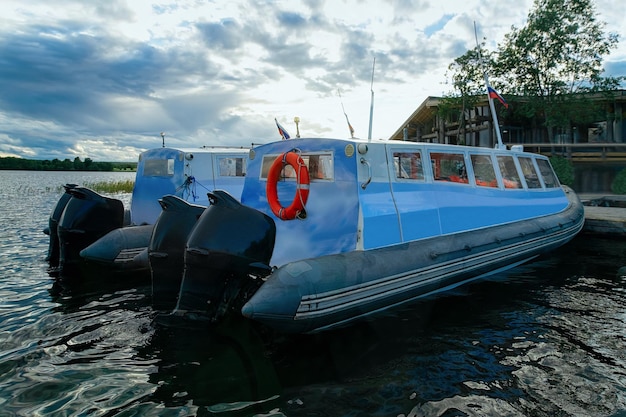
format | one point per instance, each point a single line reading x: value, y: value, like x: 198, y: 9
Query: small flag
x: 349, y: 126
x: 281, y: 130
x: 494, y: 94
x: 344, y: 113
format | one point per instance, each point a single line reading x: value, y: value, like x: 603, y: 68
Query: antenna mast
x: 494, y: 116
x: 369, y: 134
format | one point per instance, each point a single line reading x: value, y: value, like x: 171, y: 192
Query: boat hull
x: 317, y: 294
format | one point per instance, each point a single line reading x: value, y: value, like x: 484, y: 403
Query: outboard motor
x: 166, y: 251
x: 53, y: 223
x: 228, y: 251
x: 87, y: 217
x: 124, y: 249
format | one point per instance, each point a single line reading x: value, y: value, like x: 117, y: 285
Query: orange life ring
x: 302, y: 186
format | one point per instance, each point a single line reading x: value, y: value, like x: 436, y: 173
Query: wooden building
x: 594, y: 137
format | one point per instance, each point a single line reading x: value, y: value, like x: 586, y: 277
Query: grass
x: 112, y: 187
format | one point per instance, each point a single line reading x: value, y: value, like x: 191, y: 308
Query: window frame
x: 268, y: 160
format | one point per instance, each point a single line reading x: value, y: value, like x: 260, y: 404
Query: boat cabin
x: 364, y: 195
x: 186, y: 173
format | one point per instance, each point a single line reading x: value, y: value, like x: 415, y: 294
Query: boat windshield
x: 158, y: 167
x: 549, y: 178
x: 483, y: 171
x: 509, y: 172
x: 529, y: 172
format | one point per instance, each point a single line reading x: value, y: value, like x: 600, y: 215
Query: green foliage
x: 466, y: 71
x: 559, y: 51
x: 553, y: 61
x: 65, y: 165
x: 619, y: 183
x: 564, y: 170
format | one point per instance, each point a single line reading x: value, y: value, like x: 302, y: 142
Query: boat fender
x: 296, y: 209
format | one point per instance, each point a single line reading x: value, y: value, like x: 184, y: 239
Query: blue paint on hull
x: 316, y: 294
x: 374, y: 238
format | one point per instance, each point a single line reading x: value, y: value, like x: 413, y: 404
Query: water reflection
x: 219, y: 368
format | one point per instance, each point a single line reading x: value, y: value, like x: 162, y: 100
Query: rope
x: 188, y: 188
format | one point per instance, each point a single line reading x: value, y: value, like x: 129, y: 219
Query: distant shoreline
x: 21, y: 164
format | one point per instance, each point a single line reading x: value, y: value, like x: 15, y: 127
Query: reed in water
x: 110, y: 187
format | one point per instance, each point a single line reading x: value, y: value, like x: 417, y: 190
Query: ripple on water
x: 546, y: 339
x: 69, y: 362
x: 580, y: 352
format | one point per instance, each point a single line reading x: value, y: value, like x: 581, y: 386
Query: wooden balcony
x: 580, y: 152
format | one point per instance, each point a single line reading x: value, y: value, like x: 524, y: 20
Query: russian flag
x: 282, y: 131
x: 494, y: 94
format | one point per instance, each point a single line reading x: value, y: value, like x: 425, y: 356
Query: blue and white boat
x: 87, y: 227
x: 329, y: 231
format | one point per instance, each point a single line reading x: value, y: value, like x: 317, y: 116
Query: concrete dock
x: 605, y: 214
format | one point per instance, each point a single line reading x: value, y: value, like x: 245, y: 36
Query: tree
x: 466, y: 73
x: 553, y: 62
x: 555, y: 59
x: 559, y: 51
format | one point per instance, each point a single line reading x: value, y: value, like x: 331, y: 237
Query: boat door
x: 412, y: 192
x: 379, y: 222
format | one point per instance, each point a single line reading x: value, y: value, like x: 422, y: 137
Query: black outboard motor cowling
x: 87, y: 217
x: 166, y: 251
x: 230, y: 245
x: 53, y: 224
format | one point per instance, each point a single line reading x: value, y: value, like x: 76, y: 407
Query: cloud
x: 225, y: 35
x: 102, y: 79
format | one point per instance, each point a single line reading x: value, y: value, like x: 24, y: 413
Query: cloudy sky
x: 102, y: 79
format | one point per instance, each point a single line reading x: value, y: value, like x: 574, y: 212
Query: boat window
x: 530, y: 174
x: 320, y: 166
x: 449, y: 167
x: 408, y: 165
x: 232, y: 166
x: 549, y: 178
x: 509, y: 172
x: 484, y: 171
x: 158, y: 167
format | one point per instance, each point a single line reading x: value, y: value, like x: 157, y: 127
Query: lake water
x: 548, y: 338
